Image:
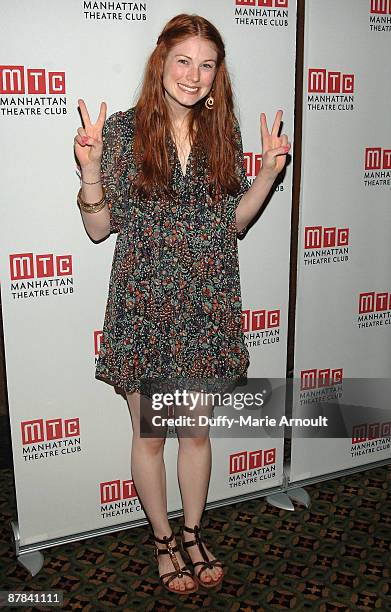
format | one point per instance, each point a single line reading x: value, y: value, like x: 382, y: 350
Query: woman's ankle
x: 163, y: 532
x: 190, y: 524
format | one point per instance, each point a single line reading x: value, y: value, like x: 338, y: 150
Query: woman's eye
x: 207, y: 66
x: 183, y: 61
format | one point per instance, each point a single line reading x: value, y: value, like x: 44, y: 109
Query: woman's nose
x: 193, y: 74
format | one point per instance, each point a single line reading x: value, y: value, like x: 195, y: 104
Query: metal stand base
x: 33, y: 561
x: 300, y: 495
x: 283, y: 500
x: 280, y: 500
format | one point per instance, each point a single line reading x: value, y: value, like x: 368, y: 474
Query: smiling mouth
x: 188, y: 89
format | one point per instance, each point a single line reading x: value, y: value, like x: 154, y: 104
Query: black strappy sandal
x: 207, y: 564
x: 178, y: 572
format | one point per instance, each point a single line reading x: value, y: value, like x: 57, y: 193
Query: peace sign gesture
x: 88, y: 141
x: 274, y: 147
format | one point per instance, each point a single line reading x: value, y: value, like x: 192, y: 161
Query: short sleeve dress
x: 174, y: 302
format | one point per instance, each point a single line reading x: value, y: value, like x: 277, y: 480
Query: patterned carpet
x: 334, y: 557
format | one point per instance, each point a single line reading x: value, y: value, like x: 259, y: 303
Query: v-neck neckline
x: 178, y: 161
x: 187, y: 163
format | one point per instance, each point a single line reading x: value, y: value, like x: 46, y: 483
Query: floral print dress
x: 174, y: 303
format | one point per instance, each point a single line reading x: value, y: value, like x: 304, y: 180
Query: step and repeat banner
x: 343, y: 310
x: 71, y: 434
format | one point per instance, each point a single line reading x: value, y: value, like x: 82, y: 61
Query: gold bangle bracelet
x: 93, y: 207
x: 93, y: 210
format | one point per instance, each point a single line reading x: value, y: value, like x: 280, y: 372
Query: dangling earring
x: 209, y: 102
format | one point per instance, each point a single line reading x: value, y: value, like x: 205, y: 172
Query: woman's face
x: 189, y: 71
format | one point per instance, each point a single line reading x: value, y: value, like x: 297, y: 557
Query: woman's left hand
x: 274, y: 147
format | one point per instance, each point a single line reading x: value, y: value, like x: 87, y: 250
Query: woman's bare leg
x: 194, y: 468
x: 149, y: 476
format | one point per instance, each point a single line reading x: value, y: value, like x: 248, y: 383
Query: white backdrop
x: 71, y: 434
x: 343, y: 310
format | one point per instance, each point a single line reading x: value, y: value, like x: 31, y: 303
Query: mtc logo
x: 377, y: 158
x: 24, y: 265
x: 98, y: 335
x: 54, y: 429
x: 255, y: 320
x: 381, y: 7
x: 322, y: 81
x: 370, y: 431
x: 18, y: 80
x: 266, y: 3
x: 317, y: 237
x: 248, y: 460
x: 311, y: 379
x: 252, y: 163
x: 114, y: 490
x: 374, y: 302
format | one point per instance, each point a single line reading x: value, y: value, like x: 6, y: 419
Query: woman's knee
x: 143, y: 436
x: 153, y: 446
x: 194, y: 442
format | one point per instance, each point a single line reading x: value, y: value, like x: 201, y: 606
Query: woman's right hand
x: 88, y: 141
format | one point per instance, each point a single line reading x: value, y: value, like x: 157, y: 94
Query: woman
x: 168, y: 176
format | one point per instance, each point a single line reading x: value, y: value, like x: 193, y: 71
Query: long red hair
x: 210, y: 131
